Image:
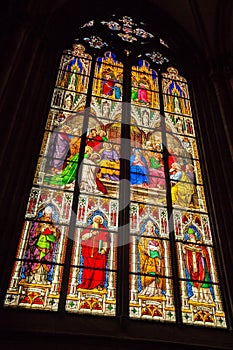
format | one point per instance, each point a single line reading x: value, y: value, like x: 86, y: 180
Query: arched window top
x: 125, y: 36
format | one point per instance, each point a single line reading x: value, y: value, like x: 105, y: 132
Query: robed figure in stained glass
x: 108, y: 85
x: 90, y: 182
x: 110, y: 162
x: 197, y: 267
x: 95, y: 248
x: 138, y: 169
x: 67, y: 157
x: 182, y: 187
x: 142, y: 93
x: 58, y: 148
x: 41, y: 249
x: 151, y: 257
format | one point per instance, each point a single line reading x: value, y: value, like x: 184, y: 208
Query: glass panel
x: 108, y: 87
x: 101, y: 165
x: 72, y: 79
x: 73, y: 62
x: 95, y: 41
x: 68, y: 101
x: 100, y: 172
x: 110, y: 59
x: 39, y: 295
x: 100, y: 302
x: 157, y: 307
x: 109, y: 75
x: 151, y: 293
x: 146, y: 117
x: 146, y: 138
x: 200, y: 293
x: 106, y: 109
x: 89, y: 204
x: 144, y: 85
x: 180, y: 125
x: 37, y: 273
x: 202, y: 313
x: 176, y: 95
x: 147, y: 177
x: 92, y: 286
x: 60, y: 152
x: 181, y: 149
x: 59, y: 201
x: 201, y: 222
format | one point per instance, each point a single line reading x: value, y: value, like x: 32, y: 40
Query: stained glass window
x: 118, y: 188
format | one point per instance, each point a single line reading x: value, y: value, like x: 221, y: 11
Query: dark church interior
x: 33, y: 36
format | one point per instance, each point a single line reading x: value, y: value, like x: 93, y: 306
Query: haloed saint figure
x: 197, y: 267
x: 151, y: 252
x: 95, y: 249
x: 41, y: 249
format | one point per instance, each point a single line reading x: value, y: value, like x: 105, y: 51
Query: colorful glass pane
x: 37, y: 273
x: 200, y: 291
x: 142, y: 33
x: 95, y: 41
x: 127, y: 37
x: 109, y: 75
x: 92, y: 286
x: 182, y: 124
x: 163, y: 42
x: 157, y: 57
x: 151, y: 293
x: 88, y: 24
x: 146, y: 117
x: 112, y: 25
x: 144, y: 85
x: 176, y: 95
x: 106, y: 109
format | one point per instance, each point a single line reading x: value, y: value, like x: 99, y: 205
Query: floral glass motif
x: 95, y: 41
x: 128, y: 29
x: 112, y: 25
x: 163, y: 42
x: 127, y: 37
x: 142, y: 33
x: 88, y: 24
x: 157, y: 57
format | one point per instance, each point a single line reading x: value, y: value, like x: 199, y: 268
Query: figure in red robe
x: 142, y: 93
x: 95, y: 248
x: 94, y: 140
x: 108, y: 85
x: 197, y: 268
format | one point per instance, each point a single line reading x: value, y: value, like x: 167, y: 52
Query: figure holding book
x: 95, y: 248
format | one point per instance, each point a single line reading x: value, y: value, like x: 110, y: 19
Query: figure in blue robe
x: 138, y: 169
x: 117, y: 89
